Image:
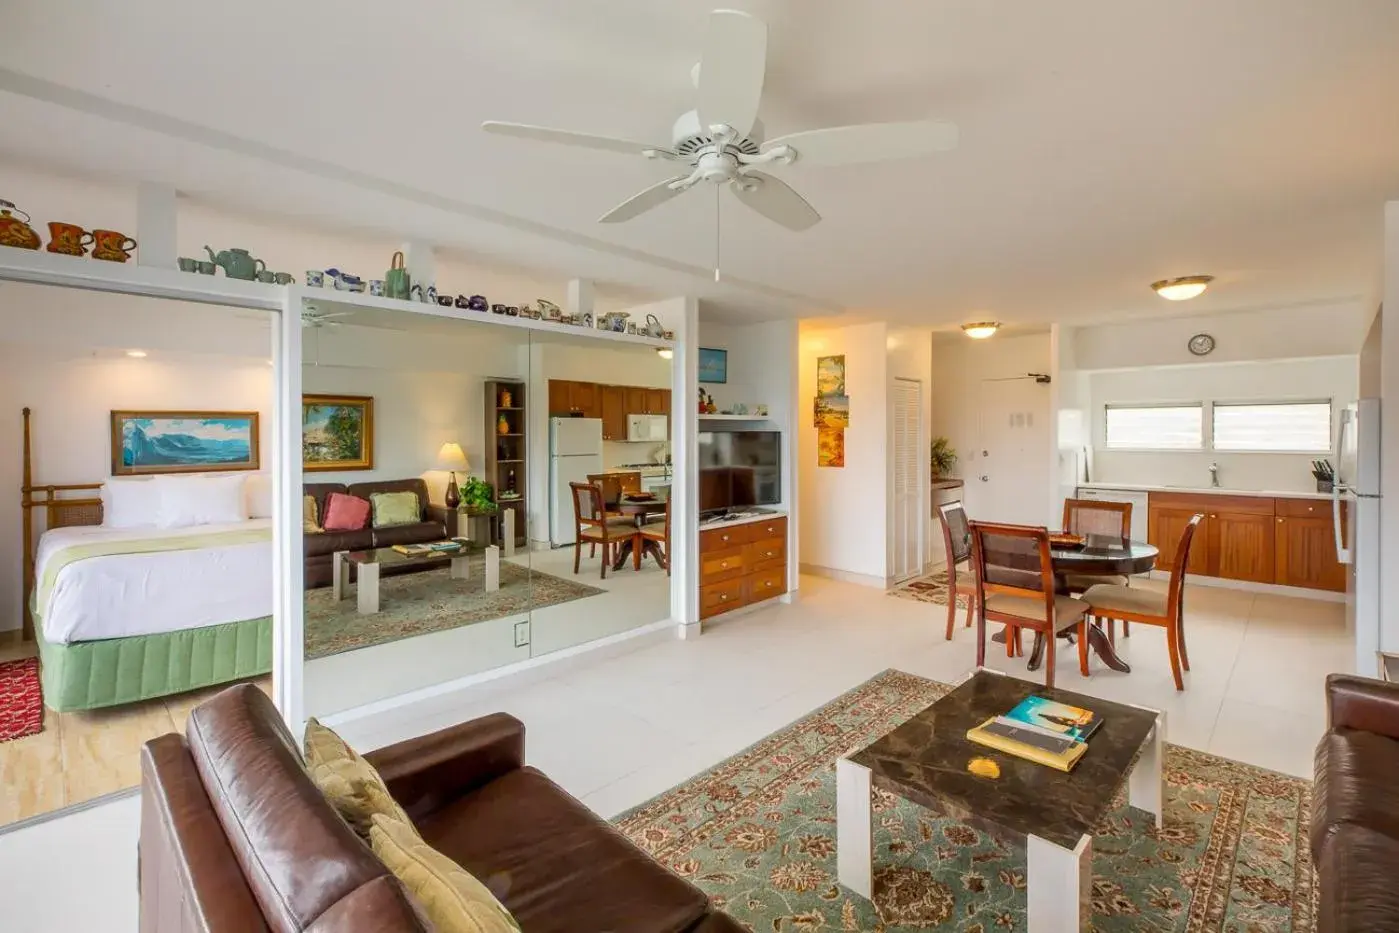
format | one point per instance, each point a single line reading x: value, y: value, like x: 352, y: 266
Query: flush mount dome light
x: 136, y: 354
x: 665, y: 353
x: 1183, y: 288
x: 980, y: 330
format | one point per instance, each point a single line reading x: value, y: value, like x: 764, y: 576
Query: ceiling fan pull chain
x: 717, y: 231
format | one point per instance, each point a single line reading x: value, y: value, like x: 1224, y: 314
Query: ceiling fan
x: 312, y: 317
x: 722, y: 140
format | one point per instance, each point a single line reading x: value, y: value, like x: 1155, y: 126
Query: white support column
x: 288, y: 591
x: 854, y: 828
x: 580, y: 296
x: 684, y: 488
x: 156, y: 243
x: 1058, y: 886
x: 1144, y: 786
x: 420, y: 261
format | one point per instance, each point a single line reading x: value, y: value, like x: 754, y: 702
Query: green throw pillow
x: 395, y: 508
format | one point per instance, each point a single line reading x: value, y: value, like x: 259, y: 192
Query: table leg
x: 338, y: 572
x: 1097, y: 640
x: 1058, y: 886
x: 507, y: 536
x: 1144, y: 786
x: 854, y: 828
x: 368, y: 590
x: 623, y: 552
x: 461, y: 568
x: 492, y: 569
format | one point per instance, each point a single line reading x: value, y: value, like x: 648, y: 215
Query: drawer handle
x: 772, y: 553
x: 769, y: 584
x: 723, y: 563
x: 723, y: 597
x: 724, y: 538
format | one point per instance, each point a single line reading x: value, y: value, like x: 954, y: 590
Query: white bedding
x: 117, y: 595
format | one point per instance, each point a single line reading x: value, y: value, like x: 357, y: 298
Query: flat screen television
x: 739, y: 469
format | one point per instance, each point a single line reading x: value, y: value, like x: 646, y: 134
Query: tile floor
x: 619, y: 730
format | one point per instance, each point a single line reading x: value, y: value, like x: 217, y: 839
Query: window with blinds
x: 1298, y: 427
x: 1155, y: 427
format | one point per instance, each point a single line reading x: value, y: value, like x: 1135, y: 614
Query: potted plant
x: 943, y: 457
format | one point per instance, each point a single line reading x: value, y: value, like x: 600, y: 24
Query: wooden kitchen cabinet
x: 1242, y: 546
x: 636, y: 400
x: 657, y: 401
x: 587, y: 399
x: 1306, y: 546
x: 1165, y: 523
x: 614, y: 413
x: 560, y: 397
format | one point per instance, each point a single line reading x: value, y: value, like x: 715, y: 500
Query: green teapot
x: 237, y: 264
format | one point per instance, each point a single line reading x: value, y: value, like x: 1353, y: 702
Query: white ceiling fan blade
x: 568, y: 137
x: 775, y: 200
x: 654, y: 196
x: 869, y: 142
x: 731, y: 70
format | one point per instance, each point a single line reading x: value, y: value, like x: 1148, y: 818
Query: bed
x: 128, y: 614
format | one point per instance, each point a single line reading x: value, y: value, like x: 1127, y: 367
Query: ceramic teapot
x: 16, y: 232
x: 653, y: 326
x: 237, y: 264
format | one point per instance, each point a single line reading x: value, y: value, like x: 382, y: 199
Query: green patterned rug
x: 757, y: 833
x: 431, y: 601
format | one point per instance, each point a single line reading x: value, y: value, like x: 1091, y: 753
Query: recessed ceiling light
x: 980, y: 330
x: 665, y: 353
x: 1183, y: 288
x: 136, y: 354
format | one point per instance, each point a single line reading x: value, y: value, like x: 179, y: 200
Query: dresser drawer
x: 719, y: 539
x: 1304, y: 508
x: 767, y: 554
x: 722, y: 565
x: 772, y: 528
x: 721, y: 597
x: 767, y: 584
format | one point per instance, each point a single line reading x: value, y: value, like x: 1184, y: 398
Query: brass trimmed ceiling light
x: 980, y: 330
x: 1183, y: 288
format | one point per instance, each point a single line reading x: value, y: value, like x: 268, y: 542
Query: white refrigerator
x: 1357, y: 490
x: 575, y: 450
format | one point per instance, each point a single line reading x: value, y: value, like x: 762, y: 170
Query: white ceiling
x: 1105, y: 143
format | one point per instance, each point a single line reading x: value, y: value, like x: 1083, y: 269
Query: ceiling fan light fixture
x: 980, y: 330
x: 665, y: 353
x: 1183, y: 288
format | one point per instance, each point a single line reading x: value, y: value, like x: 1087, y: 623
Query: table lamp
x: 451, y: 458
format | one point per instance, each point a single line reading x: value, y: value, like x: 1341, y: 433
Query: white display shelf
x: 735, y: 417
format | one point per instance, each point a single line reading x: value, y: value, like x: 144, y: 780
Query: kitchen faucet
x: 1214, y: 475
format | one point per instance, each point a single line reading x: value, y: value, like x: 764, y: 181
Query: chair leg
x: 1112, y: 632
x: 1180, y: 639
x: 1173, y: 645
x: 636, y: 549
x: 970, y: 604
x: 1019, y: 642
x: 1126, y: 629
x: 981, y: 638
x: 577, y: 553
x: 1011, y: 634
x: 1051, y: 648
x: 951, y: 612
x: 1083, y: 644
x: 592, y: 550
x: 606, y: 559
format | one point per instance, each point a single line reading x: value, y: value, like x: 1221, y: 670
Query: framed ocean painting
x: 337, y: 432
x: 183, y: 441
x: 713, y: 365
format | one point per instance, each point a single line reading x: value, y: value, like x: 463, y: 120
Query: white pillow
x: 200, y: 500
x: 130, y: 502
x: 259, y: 494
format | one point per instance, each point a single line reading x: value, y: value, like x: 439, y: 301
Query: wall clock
x: 1201, y: 344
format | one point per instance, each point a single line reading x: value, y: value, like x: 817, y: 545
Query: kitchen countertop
x: 759, y: 516
x: 947, y: 484
x: 1209, y: 490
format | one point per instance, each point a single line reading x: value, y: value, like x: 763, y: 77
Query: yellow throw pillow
x: 310, y: 520
x: 349, y: 782
x: 395, y: 508
x: 449, y: 895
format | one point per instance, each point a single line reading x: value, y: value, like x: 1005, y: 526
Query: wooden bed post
x: 27, y: 585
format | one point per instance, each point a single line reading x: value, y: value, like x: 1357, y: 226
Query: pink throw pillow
x: 345, y: 512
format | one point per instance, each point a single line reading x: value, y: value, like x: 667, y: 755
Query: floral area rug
x: 430, y: 601
x: 929, y: 589
x: 758, y: 832
x: 21, y: 699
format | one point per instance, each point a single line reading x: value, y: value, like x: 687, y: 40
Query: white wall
x: 844, y: 520
x: 1336, y: 378
x: 1072, y: 403
x: 1271, y: 334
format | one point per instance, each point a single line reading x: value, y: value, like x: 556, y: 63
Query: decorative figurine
x: 15, y: 232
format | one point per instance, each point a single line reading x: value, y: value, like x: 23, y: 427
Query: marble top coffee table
x: 926, y: 759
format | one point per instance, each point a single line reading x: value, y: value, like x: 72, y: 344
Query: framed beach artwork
x: 831, y: 411
x: 183, y: 441
x: 713, y: 365
x: 337, y: 432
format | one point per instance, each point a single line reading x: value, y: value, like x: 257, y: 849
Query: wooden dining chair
x: 661, y: 537
x: 1097, y: 517
x: 1015, y: 586
x: 612, y: 488
x: 591, y: 523
x: 957, y: 544
x: 1148, y: 607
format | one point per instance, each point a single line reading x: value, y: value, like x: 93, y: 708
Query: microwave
x: 647, y: 427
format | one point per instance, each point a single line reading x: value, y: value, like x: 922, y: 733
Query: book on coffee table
x: 1044, y: 713
x: 1028, y: 742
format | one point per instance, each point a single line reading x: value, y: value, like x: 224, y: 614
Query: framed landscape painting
x: 183, y: 441
x: 713, y: 365
x: 337, y: 432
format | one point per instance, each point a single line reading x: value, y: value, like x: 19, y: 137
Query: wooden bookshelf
x: 505, y: 451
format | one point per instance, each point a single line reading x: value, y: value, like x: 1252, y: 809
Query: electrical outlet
x: 522, y: 634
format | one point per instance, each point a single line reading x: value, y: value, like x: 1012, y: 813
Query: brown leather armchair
x: 235, y: 837
x: 1355, y: 807
x: 319, y: 549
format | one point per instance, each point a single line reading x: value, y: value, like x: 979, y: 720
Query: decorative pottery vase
x: 15, y: 232
x: 502, y: 426
x: 506, y: 399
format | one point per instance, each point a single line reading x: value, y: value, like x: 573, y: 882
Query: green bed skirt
x: 94, y: 674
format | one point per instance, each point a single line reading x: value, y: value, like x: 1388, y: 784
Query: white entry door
x: 908, y: 525
x: 1007, y: 475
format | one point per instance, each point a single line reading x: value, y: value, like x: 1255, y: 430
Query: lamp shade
x: 451, y: 457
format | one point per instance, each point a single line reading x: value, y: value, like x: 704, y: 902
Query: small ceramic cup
x: 497, y: 309
x: 267, y: 278
x: 445, y: 300
x: 283, y: 278
x: 188, y: 264
x: 376, y: 287
x: 315, y: 278
x: 206, y: 267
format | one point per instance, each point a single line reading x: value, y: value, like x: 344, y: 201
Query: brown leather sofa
x: 319, y: 548
x: 235, y: 837
x: 1355, y: 807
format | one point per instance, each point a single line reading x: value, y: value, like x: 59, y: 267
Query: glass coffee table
x: 368, y: 562
x: 926, y: 761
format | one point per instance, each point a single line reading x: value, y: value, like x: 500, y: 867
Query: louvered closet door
x: 907, y: 518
